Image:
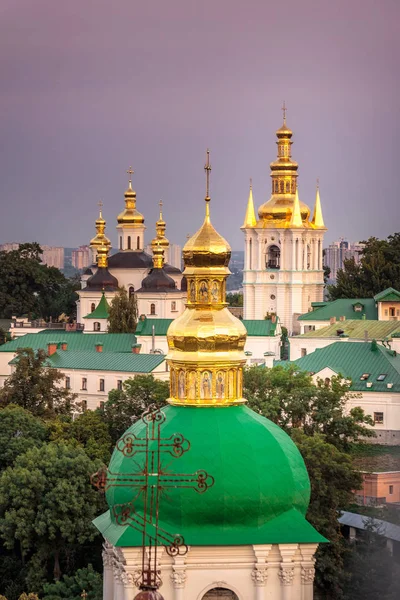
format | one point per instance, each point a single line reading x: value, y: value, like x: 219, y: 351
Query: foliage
x: 29, y: 287
x: 19, y: 431
x: 123, y: 407
x: 71, y: 587
x: 379, y: 269
x: 123, y: 313
x: 284, y: 344
x: 234, y: 299
x: 47, y: 504
x: 327, y: 273
x: 35, y: 387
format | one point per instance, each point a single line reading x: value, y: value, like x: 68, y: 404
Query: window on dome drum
x: 131, y: 291
x: 119, y: 384
x: 129, y: 242
x: 92, y: 307
x: 378, y: 418
x: 390, y: 489
x: 273, y: 257
x: 84, y: 383
x: 96, y: 326
x: 364, y: 376
x: 152, y: 309
x: 101, y: 385
x: 173, y: 305
x: 381, y: 377
x: 138, y: 243
x: 84, y: 405
x: 68, y: 383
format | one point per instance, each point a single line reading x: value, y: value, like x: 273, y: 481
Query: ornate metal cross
x: 151, y: 478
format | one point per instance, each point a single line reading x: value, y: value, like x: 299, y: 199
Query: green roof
x: 112, y: 342
x: 100, y: 361
x: 101, y: 311
x: 390, y: 294
x: 258, y: 491
x: 378, y: 330
x: 342, y: 308
x: 262, y: 327
x: 352, y: 360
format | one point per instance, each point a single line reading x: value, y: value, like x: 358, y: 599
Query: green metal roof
x: 390, y: 294
x: 352, y: 360
x: 101, y: 311
x: 378, y: 330
x: 112, y: 342
x: 262, y: 327
x: 260, y: 492
x: 343, y: 308
x: 110, y: 361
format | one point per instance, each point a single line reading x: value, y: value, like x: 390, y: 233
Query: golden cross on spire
x: 251, y: 183
x: 207, y: 168
x: 284, y: 109
x: 317, y: 183
x: 130, y: 172
x: 160, y: 205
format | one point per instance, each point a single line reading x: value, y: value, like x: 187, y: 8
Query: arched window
x: 131, y: 291
x: 273, y: 257
x: 319, y: 255
x: 92, y: 307
x: 222, y: 593
x: 327, y: 381
x: 173, y: 305
x: 96, y: 326
x: 152, y: 309
x: 138, y: 242
x: 129, y: 242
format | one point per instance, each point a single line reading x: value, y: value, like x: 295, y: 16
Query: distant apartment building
x: 338, y: 252
x: 81, y: 257
x: 53, y: 256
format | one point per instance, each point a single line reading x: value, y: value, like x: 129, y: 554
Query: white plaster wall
x: 163, y: 303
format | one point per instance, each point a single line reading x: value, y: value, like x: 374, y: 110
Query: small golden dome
x: 279, y: 208
x: 284, y: 131
x: 207, y: 248
x: 100, y: 239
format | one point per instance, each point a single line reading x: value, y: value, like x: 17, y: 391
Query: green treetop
x: 123, y: 313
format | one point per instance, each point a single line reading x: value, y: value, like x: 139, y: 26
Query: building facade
x: 81, y: 257
x: 337, y: 252
x: 283, y: 270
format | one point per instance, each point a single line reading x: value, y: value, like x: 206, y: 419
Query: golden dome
x: 279, y: 209
x: 130, y: 216
x: 160, y: 239
x: 100, y: 238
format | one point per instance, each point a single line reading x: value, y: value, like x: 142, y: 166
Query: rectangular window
x: 119, y: 384
x: 84, y: 383
x: 67, y: 383
x: 84, y: 405
x: 364, y: 376
x: 381, y: 377
x: 101, y: 385
x: 390, y: 489
x: 378, y: 418
x: 304, y: 352
x: 173, y: 305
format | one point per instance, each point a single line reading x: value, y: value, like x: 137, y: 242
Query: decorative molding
x: 178, y: 578
x: 307, y: 574
x: 126, y: 578
x: 286, y: 575
x: 108, y: 559
x: 259, y: 576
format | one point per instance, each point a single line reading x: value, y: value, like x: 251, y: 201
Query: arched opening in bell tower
x: 273, y: 258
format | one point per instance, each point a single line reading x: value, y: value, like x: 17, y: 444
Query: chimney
x: 52, y: 348
x: 342, y: 318
x: 99, y: 347
x: 64, y: 346
x: 365, y: 335
x: 332, y: 320
x: 136, y: 348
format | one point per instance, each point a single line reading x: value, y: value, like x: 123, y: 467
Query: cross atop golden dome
x: 160, y: 238
x: 130, y: 216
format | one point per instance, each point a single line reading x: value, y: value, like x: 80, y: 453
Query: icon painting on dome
x: 192, y: 385
x: 215, y: 291
x: 203, y: 292
x: 181, y: 384
x: 220, y: 385
x: 206, y: 382
x: 192, y: 291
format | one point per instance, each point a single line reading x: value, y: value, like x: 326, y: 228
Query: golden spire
x: 296, y: 220
x: 250, y: 218
x: 206, y: 342
x: 160, y: 232
x: 130, y: 217
x: 100, y: 238
x: 318, y: 219
x: 158, y: 255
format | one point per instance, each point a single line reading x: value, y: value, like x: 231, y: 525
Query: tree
x: 34, y: 386
x: 379, y: 269
x: 19, y: 431
x: 123, y: 313
x: 234, y: 299
x: 55, y: 510
x: 123, y: 407
x: 71, y: 587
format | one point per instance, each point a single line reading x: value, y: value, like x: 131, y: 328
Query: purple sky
x: 89, y: 87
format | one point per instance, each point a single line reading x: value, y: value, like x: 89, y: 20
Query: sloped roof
x: 352, y: 360
x: 109, y: 361
x: 101, y: 311
x: 342, y: 308
x: 390, y: 294
x: 112, y: 342
x: 145, y: 327
x: 384, y: 528
x: 378, y: 330
x: 262, y: 327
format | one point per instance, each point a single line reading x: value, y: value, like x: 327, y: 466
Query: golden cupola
x: 160, y: 239
x: 130, y: 216
x: 100, y: 238
x: 277, y: 212
x: 206, y: 342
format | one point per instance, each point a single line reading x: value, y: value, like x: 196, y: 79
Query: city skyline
x: 169, y: 81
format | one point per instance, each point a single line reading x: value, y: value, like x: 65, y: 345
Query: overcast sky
x: 89, y: 87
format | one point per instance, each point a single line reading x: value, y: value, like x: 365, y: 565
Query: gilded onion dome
x: 206, y: 342
x: 130, y: 216
x: 100, y: 238
x: 160, y: 239
x: 277, y: 212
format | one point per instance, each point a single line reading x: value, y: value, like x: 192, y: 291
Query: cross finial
x: 160, y: 204
x: 100, y: 205
x: 251, y: 183
x: 207, y: 168
x: 130, y: 172
x: 284, y: 109
x: 317, y: 183
x: 84, y: 594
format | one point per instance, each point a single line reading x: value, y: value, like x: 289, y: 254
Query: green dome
x: 261, y: 488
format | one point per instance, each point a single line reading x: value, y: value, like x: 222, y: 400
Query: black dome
x: 102, y: 280
x: 158, y: 281
x: 130, y: 260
